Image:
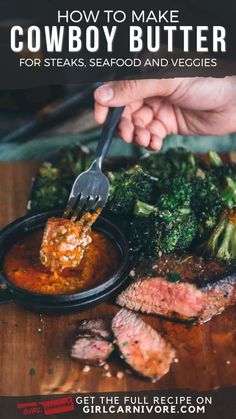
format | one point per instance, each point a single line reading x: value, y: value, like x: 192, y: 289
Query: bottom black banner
x: 217, y: 404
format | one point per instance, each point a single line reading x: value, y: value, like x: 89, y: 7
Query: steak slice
x: 158, y: 295
x: 93, y: 343
x: 219, y: 296
x: 92, y: 351
x: 99, y: 328
x: 203, y: 288
x: 141, y: 346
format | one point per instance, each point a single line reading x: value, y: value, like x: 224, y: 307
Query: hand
x: 157, y: 108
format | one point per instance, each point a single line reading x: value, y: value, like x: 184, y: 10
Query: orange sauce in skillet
x: 23, y: 267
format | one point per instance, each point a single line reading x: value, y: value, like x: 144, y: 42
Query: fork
x: 90, y: 189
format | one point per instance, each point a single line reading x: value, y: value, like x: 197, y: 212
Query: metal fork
x: 90, y: 188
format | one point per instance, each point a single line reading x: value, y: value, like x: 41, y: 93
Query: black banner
x: 58, y: 42
x: 217, y: 404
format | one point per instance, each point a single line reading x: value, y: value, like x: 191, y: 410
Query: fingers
x: 133, y: 122
x: 120, y: 93
x: 142, y: 127
x: 157, y: 129
x: 100, y: 113
x: 155, y: 143
x: 142, y: 117
x: 148, y: 131
x: 142, y: 136
x: 126, y: 130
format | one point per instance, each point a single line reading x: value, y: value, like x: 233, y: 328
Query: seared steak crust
x: 220, y: 295
x: 100, y: 328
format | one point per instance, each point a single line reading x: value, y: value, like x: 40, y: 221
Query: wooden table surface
x: 34, y: 350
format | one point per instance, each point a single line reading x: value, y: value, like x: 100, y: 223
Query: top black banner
x: 57, y: 42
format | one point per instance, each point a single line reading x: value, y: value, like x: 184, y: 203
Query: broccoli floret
x: 177, y: 195
x: 221, y: 173
x: 52, y: 186
x: 50, y: 191
x: 169, y: 225
x: 157, y: 165
x: 73, y: 160
x: 229, y: 193
x: 187, y: 229
x: 183, y: 162
x: 126, y: 188
x: 221, y: 170
x: 153, y: 234
x: 175, y: 162
x: 222, y: 242
x: 206, y: 203
x: 212, y: 193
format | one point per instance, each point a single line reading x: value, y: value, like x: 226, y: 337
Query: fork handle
x: 109, y: 127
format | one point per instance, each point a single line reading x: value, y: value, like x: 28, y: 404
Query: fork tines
x: 78, y: 205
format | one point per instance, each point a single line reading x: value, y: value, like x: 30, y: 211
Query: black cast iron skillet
x: 65, y: 302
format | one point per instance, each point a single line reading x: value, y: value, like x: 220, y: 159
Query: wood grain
x: 34, y: 349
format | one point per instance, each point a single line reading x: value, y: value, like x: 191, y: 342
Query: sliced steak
x: 92, y: 351
x: 158, y: 295
x: 219, y: 296
x: 93, y: 343
x: 99, y: 328
x: 186, y: 288
x: 141, y: 346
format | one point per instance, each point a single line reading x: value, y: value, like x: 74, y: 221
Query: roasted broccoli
x: 50, y: 191
x: 229, y: 193
x: 221, y: 170
x: 163, y: 204
x: 222, y: 242
x: 176, y: 196
x: 206, y: 203
x: 184, y: 162
x: 158, y: 166
x: 152, y: 233
x: 52, y: 186
x: 175, y: 162
x: 73, y: 160
x: 126, y: 188
x: 213, y: 192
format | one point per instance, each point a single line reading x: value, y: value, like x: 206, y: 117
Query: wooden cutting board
x: 34, y: 349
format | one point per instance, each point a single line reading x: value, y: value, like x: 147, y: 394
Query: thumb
x: 121, y: 93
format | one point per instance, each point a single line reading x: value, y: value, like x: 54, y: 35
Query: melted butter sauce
x: 23, y: 267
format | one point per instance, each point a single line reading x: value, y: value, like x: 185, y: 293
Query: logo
x: 47, y: 407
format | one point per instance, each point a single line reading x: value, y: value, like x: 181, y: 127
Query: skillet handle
x: 5, y: 296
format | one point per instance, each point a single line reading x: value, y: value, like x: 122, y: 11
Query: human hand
x: 157, y: 108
